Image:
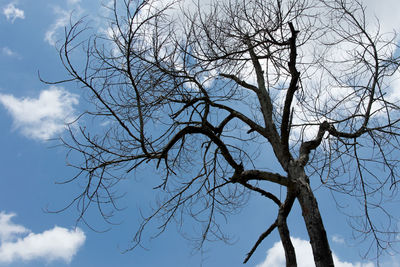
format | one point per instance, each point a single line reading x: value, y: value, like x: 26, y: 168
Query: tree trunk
x: 312, y: 218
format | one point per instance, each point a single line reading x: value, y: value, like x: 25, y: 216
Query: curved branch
x: 262, y: 192
x: 253, y: 126
x: 207, y: 132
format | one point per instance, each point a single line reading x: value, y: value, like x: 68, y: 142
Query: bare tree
x: 204, y: 93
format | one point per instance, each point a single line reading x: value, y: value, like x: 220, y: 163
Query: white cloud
x: 43, y: 117
x: 12, y: 13
x: 276, y: 256
x: 54, y: 244
x: 9, y: 230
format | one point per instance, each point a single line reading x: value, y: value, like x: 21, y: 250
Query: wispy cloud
x: 43, y: 117
x: 9, y: 53
x: 12, y: 13
x: 62, y: 20
x: 276, y: 256
x: 54, y: 244
x: 338, y: 239
x: 72, y: 2
x: 63, y: 17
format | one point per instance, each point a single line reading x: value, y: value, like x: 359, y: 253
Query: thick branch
x: 295, y: 75
x: 261, y: 176
x: 308, y: 146
x: 265, y: 101
x: 332, y: 131
x: 221, y: 126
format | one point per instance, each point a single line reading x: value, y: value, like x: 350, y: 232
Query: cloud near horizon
x: 276, y: 256
x: 44, y: 117
x: 57, y: 243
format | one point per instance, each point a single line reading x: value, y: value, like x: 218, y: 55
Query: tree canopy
x: 203, y: 92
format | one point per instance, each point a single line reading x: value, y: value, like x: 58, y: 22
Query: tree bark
x: 290, y: 254
x: 312, y: 218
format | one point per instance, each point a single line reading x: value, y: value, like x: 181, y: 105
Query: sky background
x: 32, y: 112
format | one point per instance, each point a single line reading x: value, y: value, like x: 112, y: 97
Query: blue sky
x: 32, y: 112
